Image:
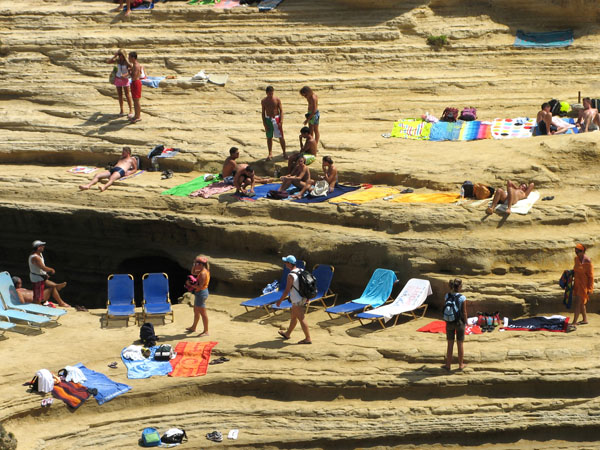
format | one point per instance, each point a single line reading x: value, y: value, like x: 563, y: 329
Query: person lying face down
x: 510, y: 196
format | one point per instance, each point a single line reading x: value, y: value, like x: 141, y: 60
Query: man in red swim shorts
x: 136, y: 86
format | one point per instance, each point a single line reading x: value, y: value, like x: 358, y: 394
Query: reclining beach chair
x: 268, y: 299
x: 5, y: 326
x: 120, y: 303
x: 156, y: 296
x: 376, y: 293
x: 32, y: 320
x: 323, y: 274
x: 410, y: 299
x: 11, y: 300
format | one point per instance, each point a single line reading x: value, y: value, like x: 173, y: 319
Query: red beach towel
x: 439, y: 326
x: 192, y: 359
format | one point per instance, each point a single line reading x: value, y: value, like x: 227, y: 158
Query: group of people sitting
x: 587, y: 119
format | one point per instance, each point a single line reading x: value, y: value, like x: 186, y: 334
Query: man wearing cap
x: 38, y: 272
x: 292, y: 288
x: 583, y: 283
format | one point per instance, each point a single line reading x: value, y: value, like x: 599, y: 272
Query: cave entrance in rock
x: 149, y: 264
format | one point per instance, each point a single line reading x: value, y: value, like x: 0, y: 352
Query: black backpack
x: 452, y: 310
x: 307, y: 284
x: 147, y: 335
x: 174, y: 436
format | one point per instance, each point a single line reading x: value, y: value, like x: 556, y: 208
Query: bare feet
x: 127, y: 12
x: 102, y: 188
x: 489, y: 210
x: 270, y: 157
x: 203, y: 334
x: 462, y: 366
x: 83, y: 187
x: 61, y: 285
x: 64, y: 305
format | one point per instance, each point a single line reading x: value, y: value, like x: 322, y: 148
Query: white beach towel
x: 522, y: 206
x: 559, y: 123
x: 74, y: 374
x: 411, y: 297
x: 134, y: 353
x: 45, y: 380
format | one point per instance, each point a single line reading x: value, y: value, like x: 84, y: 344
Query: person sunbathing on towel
x: 124, y: 167
x: 588, y: 119
x: 26, y: 295
x: 544, y: 122
x: 510, y: 196
x: 230, y: 166
x: 244, y: 177
x: 300, y: 176
x: 330, y: 175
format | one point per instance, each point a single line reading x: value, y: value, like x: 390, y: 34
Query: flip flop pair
x: 113, y: 365
x: 220, y: 360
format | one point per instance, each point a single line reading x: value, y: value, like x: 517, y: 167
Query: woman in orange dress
x: 583, y: 284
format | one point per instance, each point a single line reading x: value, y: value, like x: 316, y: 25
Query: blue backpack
x: 150, y: 438
x: 452, y: 310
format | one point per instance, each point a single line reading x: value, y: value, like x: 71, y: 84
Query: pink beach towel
x: 227, y: 4
x: 213, y: 189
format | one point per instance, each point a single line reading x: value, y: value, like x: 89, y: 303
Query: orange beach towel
x: 192, y: 359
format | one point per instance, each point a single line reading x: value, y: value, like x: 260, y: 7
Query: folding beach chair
x: 5, y: 326
x: 410, y: 299
x: 156, y: 296
x: 11, y: 300
x: 268, y: 299
x: 32, y: 320
x: 376, y: 293
x: 323, y: 274
x: 120, y: 303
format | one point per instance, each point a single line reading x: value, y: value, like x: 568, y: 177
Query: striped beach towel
x: 192, y: 359
x: 474, y: 130
x: 73, y: 394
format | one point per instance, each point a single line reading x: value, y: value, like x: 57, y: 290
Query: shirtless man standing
x: 230, y: 166
x: 125, y: 166
x: 244, y: 177
x: 544, y: 122
x: 313, y: 115
x: 300, y: 176
x: 272, y: 110
x: 588, y: 118
x: 511, y: 196
x: 136, y: 86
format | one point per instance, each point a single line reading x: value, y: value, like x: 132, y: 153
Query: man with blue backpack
x: 300, y: 287
x: 455, y: 315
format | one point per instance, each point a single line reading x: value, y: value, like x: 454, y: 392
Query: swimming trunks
x: 118, y: 170
x: 136, y: 89
x: 270, y: 129
x: 315, y: 119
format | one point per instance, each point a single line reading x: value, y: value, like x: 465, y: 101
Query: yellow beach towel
x: 364, y: 195
x: 438, y: 197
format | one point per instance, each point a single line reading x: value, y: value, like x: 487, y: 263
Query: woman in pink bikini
x: 122, y: 79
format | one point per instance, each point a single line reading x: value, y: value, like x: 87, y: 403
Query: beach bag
x: 452, y: 312
x: 163, y: 353
x: 449, y: 115
x: 307, y: 284
x: 277, y: 195
x: 467, y: 190
x: 174, y: 436
x: 481, y: 191
x: 468, y: 114
x: 147, y: 335
x: 150, y: 438
x: 113, y: 75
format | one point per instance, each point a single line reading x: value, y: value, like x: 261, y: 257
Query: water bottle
x: 462, y: 192
x: 155, y: 163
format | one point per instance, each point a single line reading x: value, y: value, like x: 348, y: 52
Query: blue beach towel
x: 148, y: 367
x: 152, y: 82
x: 379, y: 288
x: 261, y: 191
x: 546, y: 39
x: 142, y: 6
x: 268, y: 5
x: 439, y: 131
x: 107, y: 388
x: 337, y: 191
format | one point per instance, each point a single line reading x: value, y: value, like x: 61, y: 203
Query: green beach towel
x: 185, y: 189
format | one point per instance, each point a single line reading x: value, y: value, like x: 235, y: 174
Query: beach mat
x: 337, y: 191
x: 192, y: 359
x: 260, y: 191
x: 512, y: 128
x: 141, y: 7
x: 439, y: 326
x: 128, y: 177
x: 213, y: 189
x: 416, y: 129
x: 185, y: 189
x: 82, y: 170
x: 106, y: 388
x: 268, y: 5
x: 557, y: 324
x: 544, y: 39
x: 227, y: 4
x: 363, y: 196
x: 73, y: 394
x: 522, y: 206
x: 146, y: 368
x: 471, y: 131
x: 437, y: 197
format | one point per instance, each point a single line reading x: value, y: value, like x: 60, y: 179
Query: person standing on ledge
x: 136, y: 86
x: 583, y: 283
x: 313, y: 115
x: 272, y: 116
x: 39, y: 273
x: 292, y: 289
x: 457, y: 326
x: 200, y: 271
x: 122, y: 79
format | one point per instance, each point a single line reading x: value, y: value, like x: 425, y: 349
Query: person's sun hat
x: 289, y: 259
x: 321, y: 189
x: 37, y: 243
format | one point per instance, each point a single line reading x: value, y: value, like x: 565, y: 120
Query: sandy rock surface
x: 370, y: 66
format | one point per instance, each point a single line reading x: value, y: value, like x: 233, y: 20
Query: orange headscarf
x: 580, y: 247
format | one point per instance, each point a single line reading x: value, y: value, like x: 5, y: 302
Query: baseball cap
x: 289, y: 259
x: 37, y: 243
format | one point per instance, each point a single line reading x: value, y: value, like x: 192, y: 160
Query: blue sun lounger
x: 376, y: 293
x: 156, y: 296
x: 5, y: 326
x: 120, y: 303
x: 33, y: 320
x: 323, y: 274
x: 11, y: 300
x: 268, y: 299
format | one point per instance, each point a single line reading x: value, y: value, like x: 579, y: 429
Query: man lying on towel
x: 544, y: 122
x: 124, y: 167
x: 510, y: 196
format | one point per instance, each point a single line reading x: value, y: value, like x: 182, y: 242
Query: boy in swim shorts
x: 136, y: 86
x: 313, y: 115
x: 272, y: 116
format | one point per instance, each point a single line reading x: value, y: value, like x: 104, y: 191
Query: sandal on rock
x: 113, y: 365
x: 282, y: 334
x: 304, y: 341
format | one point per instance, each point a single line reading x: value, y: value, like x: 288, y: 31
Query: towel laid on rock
x: 365, y: 195
x: 192, y: 359
x: 522, y: 206
x: 213, y: 189
x: 436, y: 197
x: 146, y: 367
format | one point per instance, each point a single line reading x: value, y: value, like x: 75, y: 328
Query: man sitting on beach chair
x: 511, y: 196
x: 124, y: 167
x: 26, y: 295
